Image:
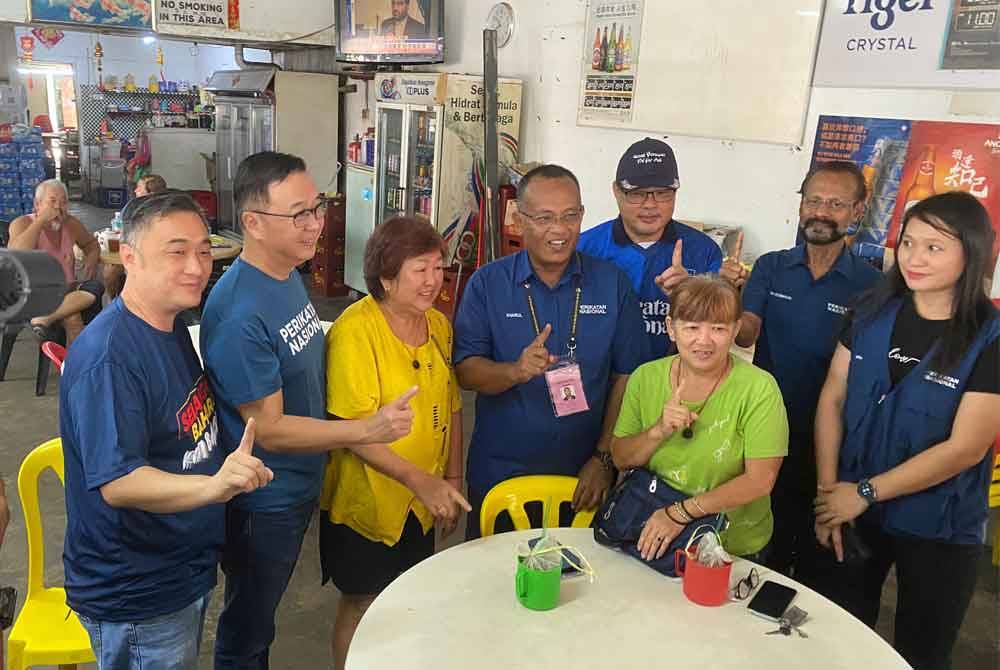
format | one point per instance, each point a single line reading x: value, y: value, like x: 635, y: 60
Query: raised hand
x: 392, y: 421
x: 675, y: 416
x: 674, y: 274
x: 732, y: 269
x: 535, y: 358
x: 241, y: 472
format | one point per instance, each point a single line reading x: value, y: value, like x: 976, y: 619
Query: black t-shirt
x: 912, y: 338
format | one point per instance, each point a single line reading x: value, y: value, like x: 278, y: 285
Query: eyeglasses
x: 745, y: 586
x: 639, y: 197
x: 570, y: 218
x: 300, y: 219
x: 833, y: 204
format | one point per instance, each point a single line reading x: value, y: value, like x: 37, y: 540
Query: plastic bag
x: 710, y: 551
x: 549, y: 553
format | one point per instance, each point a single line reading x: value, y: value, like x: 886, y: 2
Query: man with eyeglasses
x: 654, y: 250
x: 529, y: 326
x: 263, y: 347
x: 793, y: 306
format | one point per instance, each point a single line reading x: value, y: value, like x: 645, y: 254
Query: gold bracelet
x: 679, y: 508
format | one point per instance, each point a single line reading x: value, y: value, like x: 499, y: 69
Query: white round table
x: 457, y: 610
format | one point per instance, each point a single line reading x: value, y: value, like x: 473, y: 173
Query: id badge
x: 565, y: 384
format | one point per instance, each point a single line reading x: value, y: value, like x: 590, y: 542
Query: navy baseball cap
x: 648, y: 163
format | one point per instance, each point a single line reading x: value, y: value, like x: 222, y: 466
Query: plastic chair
x: 46, y: 631
x: 511, y: 495
x: 55, y: 352
x: 995, y: 502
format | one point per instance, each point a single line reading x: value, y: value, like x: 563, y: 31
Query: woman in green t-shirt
x: 706, y: 422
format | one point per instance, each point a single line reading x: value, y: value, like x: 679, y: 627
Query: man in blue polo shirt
x: 547, y: 337
x: 145, y: 476
x: 794, y: 302
x: 655, y: 251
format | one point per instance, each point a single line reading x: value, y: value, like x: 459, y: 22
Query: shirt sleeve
x: 764, y: 424
x: 846, y: 335
x: 352, y: 390
x: 242, y: 361
x: 630, y: 416
x: 631, y: 346
x: 113, y: 431
x: 755, y: 290
x: 473, y: 336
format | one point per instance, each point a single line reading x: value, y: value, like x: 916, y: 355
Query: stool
x: 8, y: 335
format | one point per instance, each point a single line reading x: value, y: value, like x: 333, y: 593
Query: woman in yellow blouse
x: 381, y: 505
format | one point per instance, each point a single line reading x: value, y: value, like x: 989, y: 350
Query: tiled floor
x: 307, y: 610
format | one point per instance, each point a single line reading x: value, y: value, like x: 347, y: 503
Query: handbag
x: 620, y: 519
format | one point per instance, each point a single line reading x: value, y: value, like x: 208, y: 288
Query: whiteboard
x: 729, y: 69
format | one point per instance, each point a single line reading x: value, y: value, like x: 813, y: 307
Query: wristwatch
x: 604, y: 458
x: 867, y: 491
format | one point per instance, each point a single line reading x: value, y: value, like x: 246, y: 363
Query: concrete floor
x: 307, y: 610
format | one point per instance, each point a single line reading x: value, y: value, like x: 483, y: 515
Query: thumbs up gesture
x: 675, y: 416
x: 732, y: 269
x: 241, y: 472
x: 392, y: 421
x: 535, y: 358
x: 674, y: 274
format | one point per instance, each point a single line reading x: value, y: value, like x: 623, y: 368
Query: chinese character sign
x: 611, y: 60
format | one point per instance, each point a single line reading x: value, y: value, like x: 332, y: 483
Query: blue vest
x: 885, y: 426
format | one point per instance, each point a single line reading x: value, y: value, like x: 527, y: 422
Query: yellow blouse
x: 367, y: 367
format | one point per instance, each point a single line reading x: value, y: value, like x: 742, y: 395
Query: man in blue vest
x: 532, y: 325
x: 654, y: 250
x: 793, y: 303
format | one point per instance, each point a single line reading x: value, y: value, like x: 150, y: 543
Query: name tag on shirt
x: 565, y: 382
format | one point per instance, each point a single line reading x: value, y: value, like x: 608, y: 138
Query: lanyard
x: 571, y: 345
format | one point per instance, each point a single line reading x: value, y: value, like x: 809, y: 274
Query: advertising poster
x: 945, y: 157
x: 878, y: 147
x: 126, y: 14
x: 973, y: 41
x: 611, y: 60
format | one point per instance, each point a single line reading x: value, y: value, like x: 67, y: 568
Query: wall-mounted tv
x: 390, y: 31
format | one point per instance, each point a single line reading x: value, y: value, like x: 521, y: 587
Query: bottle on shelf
x: 609, y: 61
x: 604, y: 50
x: 595, y: 63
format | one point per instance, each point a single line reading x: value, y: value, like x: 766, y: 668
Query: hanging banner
x: 205, y: 13
x: 909, y: 44
x: 124, y: 14
x: 611, y: 60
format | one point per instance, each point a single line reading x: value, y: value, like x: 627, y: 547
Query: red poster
x: 945, y: 157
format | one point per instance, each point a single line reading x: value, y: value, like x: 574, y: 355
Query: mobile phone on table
x: 771, y: 600
x: 567, y: 567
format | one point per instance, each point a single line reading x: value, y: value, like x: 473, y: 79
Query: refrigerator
x: 266, y: 109
x: 429, y: 150
x: 359, y: 184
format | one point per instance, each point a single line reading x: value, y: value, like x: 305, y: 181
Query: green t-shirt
x: 744, y: 419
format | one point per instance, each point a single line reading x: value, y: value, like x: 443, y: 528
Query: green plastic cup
x: 537, y: 589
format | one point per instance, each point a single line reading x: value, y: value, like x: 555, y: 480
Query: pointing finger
x: 738, y: 248
x: 539, y: 340
x: 246, y: 444
x: 405, y: 398
x: 678, y: 254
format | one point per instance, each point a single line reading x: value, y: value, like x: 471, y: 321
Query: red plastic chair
x: 55, y: 352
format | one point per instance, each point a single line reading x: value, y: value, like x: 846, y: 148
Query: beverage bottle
x: 604, y: 49
x: 627, y: 57
x: 620, y: 51
x: 923, y: 185
x: 595, y: 63
x: 609, y: 62
x: 871, y: 169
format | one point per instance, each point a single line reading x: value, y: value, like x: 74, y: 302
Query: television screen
x: 390, y: 31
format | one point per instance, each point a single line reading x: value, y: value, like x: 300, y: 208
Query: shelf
x: 127, y: 112
x: 144, y: 91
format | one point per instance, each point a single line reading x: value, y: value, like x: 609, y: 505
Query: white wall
x: 736, y: 183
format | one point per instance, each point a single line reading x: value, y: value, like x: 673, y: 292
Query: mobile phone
x: 567, y: 567
x: 771, y: 601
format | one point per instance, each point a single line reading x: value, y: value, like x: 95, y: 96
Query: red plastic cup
x: 703, y: 585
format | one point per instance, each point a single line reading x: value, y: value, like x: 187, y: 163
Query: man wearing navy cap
x: 655, y: 251
x: 793, y: 305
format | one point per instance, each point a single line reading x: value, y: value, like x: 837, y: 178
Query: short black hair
x: 839, y: 167
x: 549, y: 171
x: 256, y: 174
x: 141, y: 212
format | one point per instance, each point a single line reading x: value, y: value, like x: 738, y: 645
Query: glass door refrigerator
x: 407, y: 147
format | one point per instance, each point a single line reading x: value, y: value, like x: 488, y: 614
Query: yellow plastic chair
x: 46, y: 631
x: 995, y: 502
x: 511, y: 495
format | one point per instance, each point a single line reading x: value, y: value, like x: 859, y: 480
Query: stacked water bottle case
x: 22, y: 168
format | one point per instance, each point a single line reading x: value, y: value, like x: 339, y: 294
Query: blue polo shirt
x: 517, y: 432
x: 801, y: 319
x: 642, y: 266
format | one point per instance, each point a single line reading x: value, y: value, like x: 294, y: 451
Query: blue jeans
x: 260, y: 555
x: 168, y: 642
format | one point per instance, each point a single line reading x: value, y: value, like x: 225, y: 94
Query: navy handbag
x: 620, y: 519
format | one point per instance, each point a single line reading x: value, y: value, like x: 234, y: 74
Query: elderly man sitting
x: 50, y: 228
